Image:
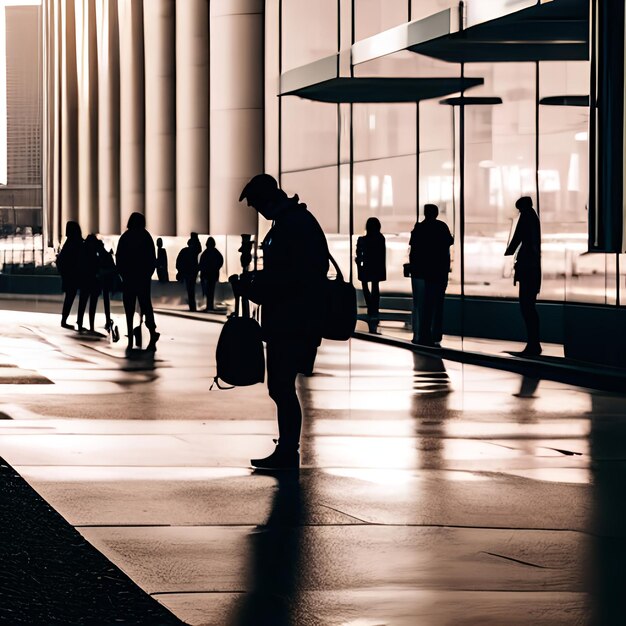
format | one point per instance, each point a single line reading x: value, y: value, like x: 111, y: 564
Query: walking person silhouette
x: 430, y: 262
x: 69, y: 263
x: 90, y: 285
x: 371, y: 269
x: 290, y: 288
x: 526, y: 246
x: 136, y: 262
x: 109, y: 282
x: 211, y: 261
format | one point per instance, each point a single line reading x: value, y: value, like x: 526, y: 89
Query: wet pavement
x: 431, y: 492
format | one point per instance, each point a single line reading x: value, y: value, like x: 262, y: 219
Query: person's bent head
x: 73, y: 231
x: 431, y: 211
x: 263, y: 194
x: 210, y: 243
x: 524, y: 203
x: 136, y: 221
x: 372, y: 226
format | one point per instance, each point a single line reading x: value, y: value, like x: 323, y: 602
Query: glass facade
x: 401, y: 156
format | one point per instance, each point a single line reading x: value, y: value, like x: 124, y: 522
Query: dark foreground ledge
x: 49, y: 574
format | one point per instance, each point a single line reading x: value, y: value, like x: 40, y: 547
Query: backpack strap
x: 216, y: 383
x: 336, y: 266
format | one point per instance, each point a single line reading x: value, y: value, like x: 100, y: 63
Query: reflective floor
x: 431, y: 492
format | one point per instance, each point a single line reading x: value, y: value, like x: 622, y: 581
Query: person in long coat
x: 211, y: 261
x: 371, y: 268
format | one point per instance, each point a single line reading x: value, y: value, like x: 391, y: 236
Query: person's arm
x: 516, y: 240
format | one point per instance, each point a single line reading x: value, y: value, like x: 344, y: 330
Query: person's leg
x: 145, y: 304
x: 528, y: 307
x: 210, y: 294
x: 93, y: 304
x: 129, y: 298
x: 82, y: 305
x: 426, y: 316
x: 437, y: 325
x: 106, y: 300
x: 191, y: 292
x: 282, y: 370
x: 417, y: 287
x: 70, y: 295
x: 375, y: 305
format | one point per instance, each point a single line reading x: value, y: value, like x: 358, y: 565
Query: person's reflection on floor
x: 431, y: 388
x: 607, y: 443
x: 275, y: 567
x: 527, y: 388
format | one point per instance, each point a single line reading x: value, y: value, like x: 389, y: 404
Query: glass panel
x: 564, y: 189
x: 309, y: 31
x: 374, y: 16
x: 424, y: 8
x: 383, y: 130
x: 309, y: 134
x: 499, y: 168
x: 317, y: 188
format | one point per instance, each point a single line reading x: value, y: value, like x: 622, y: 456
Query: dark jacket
x: 526, y: 245
x: 211, y: 261
x: 429, y: 256
x: 290, y: 287
x: 187, y: 263
x: 370, y: 258
x: 69, y: 263
x: 135, y: 257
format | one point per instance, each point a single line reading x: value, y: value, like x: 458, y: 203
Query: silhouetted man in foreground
x: 526, y: 245
x: 290, y: 289
x: 136, y: 262
x: 430, y: 261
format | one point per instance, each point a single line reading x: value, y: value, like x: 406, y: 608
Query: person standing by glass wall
x: 371, y: 268
x: 526, y: 246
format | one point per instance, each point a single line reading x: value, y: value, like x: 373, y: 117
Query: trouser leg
x: 282, y: 370
x: 417, y: 287
x: 528, y: 307
x: 145, y: 304
x: 93, y: 304
x: 129, y: 298
x: 210, y: 294
x: 70, y: 295
x: 82, y: 305
x: 106, y: 300
x: 191, y: 292
x: 437, y: 325
x: 426, y: 319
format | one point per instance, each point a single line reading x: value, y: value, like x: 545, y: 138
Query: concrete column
x: 108, y: 118
x: 132, y: 133
x: 87, y: 74
x: 236, y: 111
x: 192, y: 116
x: 69, y: 115
x: 160, y: 98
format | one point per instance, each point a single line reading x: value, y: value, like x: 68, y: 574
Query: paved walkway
x: 432, y: 492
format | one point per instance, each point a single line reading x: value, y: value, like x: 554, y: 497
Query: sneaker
x: 281, y: 458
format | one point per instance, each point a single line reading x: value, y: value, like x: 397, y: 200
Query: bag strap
x: 336, y: 266
x: 216, y: 383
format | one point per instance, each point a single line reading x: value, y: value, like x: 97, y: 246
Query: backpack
x: 339, y: 315
x: 239, y: 354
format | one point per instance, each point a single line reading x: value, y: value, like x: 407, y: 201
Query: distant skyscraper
x: 24, y: 100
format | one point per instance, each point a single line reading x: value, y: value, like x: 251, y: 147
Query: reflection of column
x: 108, y: 118
x: 69, y: 114
x: 236, y: 110
x: 192, y: 116
x: 132, y: 184
x: 160, y: 116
